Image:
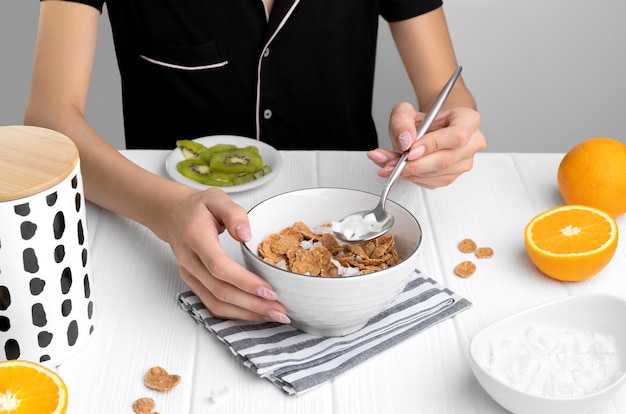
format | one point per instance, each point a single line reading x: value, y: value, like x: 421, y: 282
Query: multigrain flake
x: 301, y: 250
x: 484, y: 252
x: 159, y: 379
x: 465, y: 269
x: 467, y: 246
x: 144, y: 406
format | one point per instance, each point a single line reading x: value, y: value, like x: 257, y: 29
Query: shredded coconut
x: 355, y: 226
x: 555, y: 362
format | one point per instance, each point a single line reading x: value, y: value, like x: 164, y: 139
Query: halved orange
x: 30, y: 388
x: 571, y: 243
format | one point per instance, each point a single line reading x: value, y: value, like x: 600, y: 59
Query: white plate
x: 270, y: 156
x: 595, y: 312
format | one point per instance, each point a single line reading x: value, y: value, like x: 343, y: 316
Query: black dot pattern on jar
x: 77, y: 202
x: 22, y: 209
x: 81, y: 233
x: 51, y: 199
x: 28, y: 229
x: 44, y: 312
x: 31, y: 263
x: 5, y: 298
x: 66, y: 280
x: 59, y: 253
x: 87, y: 286
x: 44, y: 338
x: 66, y: 307
x: 59, y: 225
x: 72, y: 333
x: 39, y: 315
x: 5, y: 324
x: 12, y: 349
x: 36, y: 286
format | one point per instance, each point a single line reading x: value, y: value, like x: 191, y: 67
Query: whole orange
x: 593, y: 173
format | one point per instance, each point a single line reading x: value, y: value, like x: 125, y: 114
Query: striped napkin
x: 296, y: 362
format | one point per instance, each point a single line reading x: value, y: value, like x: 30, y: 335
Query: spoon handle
x: 423, y: 128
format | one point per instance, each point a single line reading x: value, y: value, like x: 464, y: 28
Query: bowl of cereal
x: 329, y: 288
x: 565, y: 356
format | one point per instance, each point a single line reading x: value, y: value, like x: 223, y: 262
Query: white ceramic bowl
x: 600, y: 313
x: 330, y: 306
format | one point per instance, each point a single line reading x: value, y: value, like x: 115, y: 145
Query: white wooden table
x: 139, y: 323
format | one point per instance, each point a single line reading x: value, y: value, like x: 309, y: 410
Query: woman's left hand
x: 442, y: 154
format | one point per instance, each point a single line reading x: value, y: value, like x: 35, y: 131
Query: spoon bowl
x: 370, y: 224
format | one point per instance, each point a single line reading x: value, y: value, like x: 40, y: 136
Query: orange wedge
x: 30, y: 388
x: 571, y: 243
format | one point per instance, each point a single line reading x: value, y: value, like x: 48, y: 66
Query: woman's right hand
x: 227, y: 289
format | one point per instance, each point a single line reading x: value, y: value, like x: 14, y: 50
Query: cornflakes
x: 465, y: 269
x: 484, y: 252
x: 301, y: 250
x: 467, y: 246
x: 159, y: 379
x: 144, y: 406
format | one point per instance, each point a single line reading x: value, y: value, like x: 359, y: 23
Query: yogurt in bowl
x: 566, y: 356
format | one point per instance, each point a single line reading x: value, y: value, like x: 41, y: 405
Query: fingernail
x: 378, y: 156
x: 416, y: 152
x: 278, y: 316
x: 385, y: 172
x: 243, y: 232
x: 404, y: 140
x: 266, y: 293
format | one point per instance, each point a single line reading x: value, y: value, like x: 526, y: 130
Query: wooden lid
x: 33, y: 160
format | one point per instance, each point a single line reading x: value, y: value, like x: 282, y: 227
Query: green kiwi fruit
x: 190, y: 149
x: 206, y: 153
x: 262, y: 172
x: 199, y: 171
x: 243, y: 178
x: 218, y: 179
x: 194, y: 169
x: 240, y: 160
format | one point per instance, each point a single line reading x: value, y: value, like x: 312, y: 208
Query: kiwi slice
x: 262, y: 172
x: 218, y: 179
x: 243, y: 178
x: 235, y: 161
x: 190, y: 149
x: 206, y: 153
x: 194, y: 169
x: 199, y: 171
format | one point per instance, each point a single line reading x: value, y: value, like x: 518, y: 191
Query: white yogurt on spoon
x: 355, y: 226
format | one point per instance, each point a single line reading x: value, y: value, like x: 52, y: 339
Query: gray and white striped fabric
x: 296, y: 362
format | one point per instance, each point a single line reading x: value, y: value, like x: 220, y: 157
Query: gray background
x: 546, y: 73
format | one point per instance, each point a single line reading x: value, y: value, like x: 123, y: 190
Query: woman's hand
x: 227, y: 289
x: 442, y: 154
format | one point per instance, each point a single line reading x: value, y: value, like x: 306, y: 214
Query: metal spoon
x: 383, y: 219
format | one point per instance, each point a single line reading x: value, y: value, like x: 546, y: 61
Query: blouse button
x: 266, y: 52
x: 267, y: 114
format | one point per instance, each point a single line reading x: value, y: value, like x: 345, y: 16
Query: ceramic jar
x: 46, y: 280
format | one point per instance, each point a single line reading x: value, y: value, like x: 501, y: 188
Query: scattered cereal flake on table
x: 467, y: 246
x: 217, y: 397
x: 465, y: 269
x: 144, y: 406
x: 159, y: 379
x: 484, y: 252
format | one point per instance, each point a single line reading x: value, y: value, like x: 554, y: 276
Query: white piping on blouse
x: 258, y: 80
x: 171, y: 65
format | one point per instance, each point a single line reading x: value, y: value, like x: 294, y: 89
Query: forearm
x: 110, y: 179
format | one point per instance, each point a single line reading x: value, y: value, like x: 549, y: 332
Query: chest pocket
x: 202, y: 57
